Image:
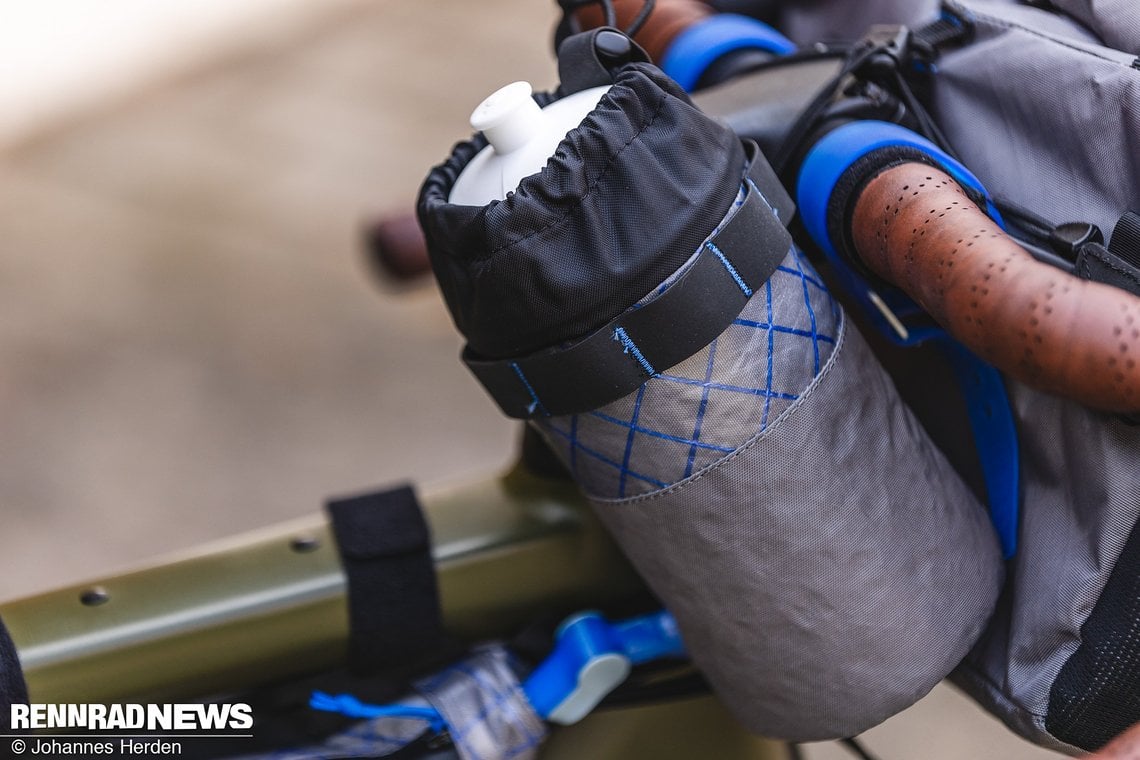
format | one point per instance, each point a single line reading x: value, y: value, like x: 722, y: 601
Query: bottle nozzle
x: 508, y: 118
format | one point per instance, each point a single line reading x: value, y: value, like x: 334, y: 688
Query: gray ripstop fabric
x: 1081, y: 498
x: 1117, y: 22
x: 826, y: 565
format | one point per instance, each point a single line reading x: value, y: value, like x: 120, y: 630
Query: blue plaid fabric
x: 691, y: 416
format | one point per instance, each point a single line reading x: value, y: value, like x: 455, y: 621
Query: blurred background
x: 190, y: 342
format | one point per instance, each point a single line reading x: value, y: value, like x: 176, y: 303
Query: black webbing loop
x: 393, y: 599
x: 1125, y: 241
x: 949, y: 30
x: 588, y: 59
x: 699, y: 305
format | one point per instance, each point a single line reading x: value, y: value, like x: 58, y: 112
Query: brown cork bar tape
x: 668, y: 19
x: 914, y: 226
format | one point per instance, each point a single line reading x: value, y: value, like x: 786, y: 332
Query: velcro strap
x: 698, y: 306
x: 587, y: 59
x: 393, y: 599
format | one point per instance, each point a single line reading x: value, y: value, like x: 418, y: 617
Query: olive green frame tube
x: 271, y: 605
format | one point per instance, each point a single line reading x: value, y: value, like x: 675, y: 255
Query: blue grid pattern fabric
x: 688, y: 417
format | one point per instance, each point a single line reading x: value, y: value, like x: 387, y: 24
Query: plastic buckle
x: 592, y: 657
x: 891, y: 45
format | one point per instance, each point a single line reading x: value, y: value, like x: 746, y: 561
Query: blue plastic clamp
x: 694, y: 49
x: 592, y: 657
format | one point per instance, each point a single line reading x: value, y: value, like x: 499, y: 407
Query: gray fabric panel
x: 1081, y: 501
x: 811, y: 21
x: 993, y: 15
x: 830, y: 571
x: 1003, y: 103
x: 1116, y: 22
x: 699, y: 411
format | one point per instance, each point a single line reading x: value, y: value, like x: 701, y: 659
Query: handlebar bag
x: 1042, y: 105
x: 1061, y: 662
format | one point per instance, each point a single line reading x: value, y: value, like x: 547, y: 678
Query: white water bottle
x: 522, y: 138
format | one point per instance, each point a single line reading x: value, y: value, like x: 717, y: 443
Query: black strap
x: 1125, y: 241
x: 639, y: 343
x: 12, y: 687
x: 949, y: 30
x: 588, y: 59
x: 1095, y: 262
x: 393, y: 599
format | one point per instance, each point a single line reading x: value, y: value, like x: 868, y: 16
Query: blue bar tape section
x: 695, y: 49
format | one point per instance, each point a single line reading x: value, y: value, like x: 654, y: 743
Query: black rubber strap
x: 393, y: 599
x: 639, y: 343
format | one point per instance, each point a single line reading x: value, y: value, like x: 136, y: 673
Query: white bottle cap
x: 522, y: 138
x: 508, y: 117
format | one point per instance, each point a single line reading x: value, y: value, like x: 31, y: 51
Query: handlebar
x: 915, y: 227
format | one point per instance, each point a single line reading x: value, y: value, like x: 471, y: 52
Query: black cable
x: 641, y: 17
x: 569, y: 6
x: 806, y: 123
x: 927, y: 126
x: 1025, y: 218
x: 1035, y: 231
x: 608, y: 10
